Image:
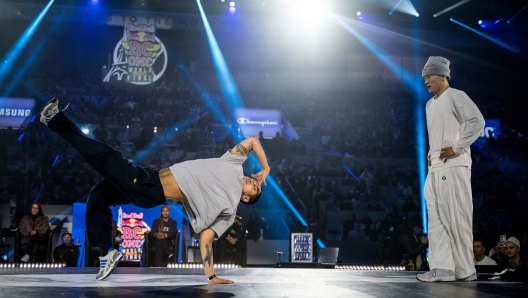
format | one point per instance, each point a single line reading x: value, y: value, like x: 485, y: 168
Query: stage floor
x: 249, y: 282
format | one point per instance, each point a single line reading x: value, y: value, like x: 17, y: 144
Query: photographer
x: 410, y: 247
x: 66, y: 253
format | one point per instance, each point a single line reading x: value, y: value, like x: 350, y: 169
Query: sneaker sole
x: 114, y: 265
x: 442, y: 279
x: 53, y: 100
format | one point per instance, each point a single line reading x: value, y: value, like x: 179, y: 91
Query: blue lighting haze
x: 488, y: 37
x: 11, y: 57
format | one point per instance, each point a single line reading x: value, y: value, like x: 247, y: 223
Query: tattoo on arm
x: 241, y: 150
x: 208, y: 255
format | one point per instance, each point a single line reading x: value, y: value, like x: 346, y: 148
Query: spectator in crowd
x: 479, y: 252
x: 34, y: 229
x: 254, y: 226
x: 163, y: 229
x: 231, y: 244
x: 499, y: 254
x: 332, y: 204
x: 348, y: 226
x: 357, y: 234
x: 409, y: 244
x: 66, y: 252
x: 515, y: 258
x: 409, y: 206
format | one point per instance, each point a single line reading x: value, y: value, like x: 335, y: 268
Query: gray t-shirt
x: 213, y: 188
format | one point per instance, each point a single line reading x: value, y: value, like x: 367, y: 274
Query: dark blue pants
x: 123, y: 182
x: 162, y: 247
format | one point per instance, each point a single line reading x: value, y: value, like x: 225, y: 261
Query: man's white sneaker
x: 108, y: 263
x: 25, y: 258
x: 437, y: 275
x: 472, y: 277
x: 50, y: 110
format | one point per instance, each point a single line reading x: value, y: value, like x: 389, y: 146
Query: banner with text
x: 252, y: 121
x: 14, y: 111
x: 140, y: 58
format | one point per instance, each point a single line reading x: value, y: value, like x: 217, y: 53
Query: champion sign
x: 262, y: 123
x: 253, y: 121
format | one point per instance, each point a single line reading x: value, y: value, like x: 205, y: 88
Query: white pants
x: 450, y: 211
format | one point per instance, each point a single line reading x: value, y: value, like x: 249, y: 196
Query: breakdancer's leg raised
x: 210, y: 189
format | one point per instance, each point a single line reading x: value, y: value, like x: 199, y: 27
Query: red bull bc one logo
x: 139, y: 58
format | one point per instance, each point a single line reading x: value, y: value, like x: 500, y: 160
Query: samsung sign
x: 252, y: 121
x: 14, y: 111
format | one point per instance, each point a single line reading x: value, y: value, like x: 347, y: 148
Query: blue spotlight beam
x: 227, y: 83
x: 350, y: 172
x: 417, y: 87
x: 397, y: 4
x: 516, y: 14
x: 10, y: 58
x: 488, y: 37
x: 451, y: 8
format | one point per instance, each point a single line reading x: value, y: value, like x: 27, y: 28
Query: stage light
x: 85, y: 130
x: 488, y: 37
x: 480, y: 22
x: 11, y: 56
x: 232, y: 4
x: 358, y: 13
x: 417, y: 14
x: 450, y: 8
x: 508, y: 21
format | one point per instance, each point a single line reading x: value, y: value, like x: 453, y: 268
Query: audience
x: 479, y: 250
x: 164, y: 229
x: 34, y: 229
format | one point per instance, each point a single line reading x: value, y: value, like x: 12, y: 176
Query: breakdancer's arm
x: 206, y: 250
x: 252, y: 144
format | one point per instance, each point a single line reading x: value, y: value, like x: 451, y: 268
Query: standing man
x: 210, y: 189
x: 453, y: 123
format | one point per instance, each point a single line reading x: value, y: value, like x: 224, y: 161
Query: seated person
x: 408, y: 243
x: 499, y: 255
x: 357, y: 234
x: 163, y: 229
x: 34, y: 229
x: 478, y: 251
x: 66, y: 253
x: 230, y: 245
x: 515, y: 259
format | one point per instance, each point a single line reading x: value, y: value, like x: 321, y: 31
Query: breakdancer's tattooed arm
x: 206, y: 243
x: 252, y: 144
x: 241, y: 150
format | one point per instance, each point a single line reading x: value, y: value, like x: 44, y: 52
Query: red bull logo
x: 136, y: 54
x: 133, y: 230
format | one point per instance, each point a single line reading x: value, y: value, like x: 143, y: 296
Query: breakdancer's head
x: 251, y: 191
x: 436, y: 74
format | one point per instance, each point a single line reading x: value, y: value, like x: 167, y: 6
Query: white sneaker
x: 472, y: 277
x: 50, y: 110
x: 437, y: 275
x: 25, y: 258
x: 108, y: 264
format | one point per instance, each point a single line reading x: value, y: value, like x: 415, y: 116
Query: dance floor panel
x: 249, y: 282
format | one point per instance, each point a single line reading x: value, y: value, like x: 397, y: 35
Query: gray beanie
x: 436, y: 65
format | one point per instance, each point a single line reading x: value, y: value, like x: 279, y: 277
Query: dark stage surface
x: 249, y: 282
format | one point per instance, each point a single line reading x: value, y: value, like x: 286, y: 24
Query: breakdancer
x: 210, y: 189
x: 453, y: 123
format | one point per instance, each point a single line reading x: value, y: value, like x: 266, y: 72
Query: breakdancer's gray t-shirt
x: 213, y: 188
